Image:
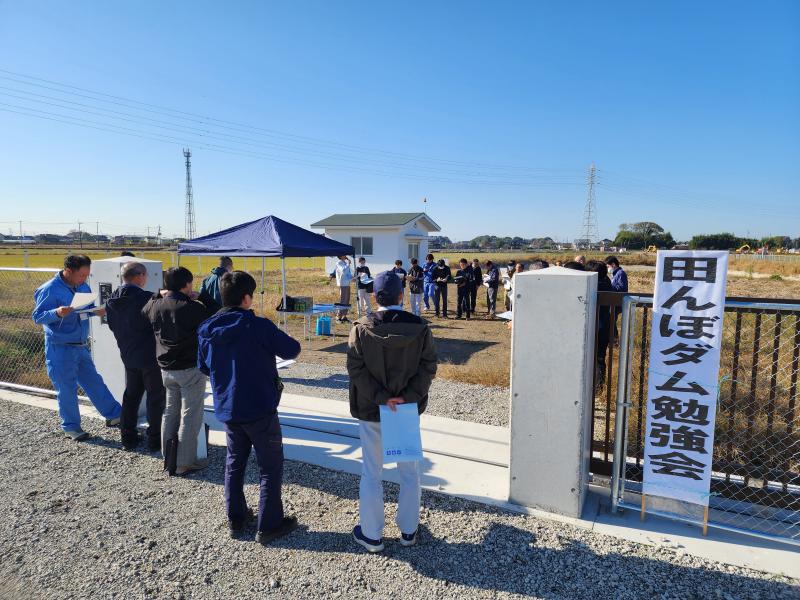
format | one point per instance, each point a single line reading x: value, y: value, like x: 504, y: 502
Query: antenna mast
x: 190, y: 225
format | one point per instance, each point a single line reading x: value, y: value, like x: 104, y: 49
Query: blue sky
x: 493, y: 111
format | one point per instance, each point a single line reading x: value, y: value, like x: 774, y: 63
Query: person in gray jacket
x: 391, y: 360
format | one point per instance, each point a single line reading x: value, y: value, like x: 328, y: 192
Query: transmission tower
x: 589, y: 231
x: 190, y: 228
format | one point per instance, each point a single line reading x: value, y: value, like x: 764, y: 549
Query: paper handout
x: 81, y: 300
x: 400, y: 434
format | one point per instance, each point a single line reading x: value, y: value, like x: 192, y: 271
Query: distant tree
x: 643, y: 228
x: 715, y: 241
x: 643, y: 234
x: 776, y: 241
x: 439, y: 241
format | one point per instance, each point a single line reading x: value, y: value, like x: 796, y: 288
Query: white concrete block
x: 552, y: 361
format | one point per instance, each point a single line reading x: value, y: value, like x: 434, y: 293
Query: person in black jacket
x: 137, y: 348
x: 175, y: 316
x: 603, y: 319
x: 364, y: 290
x: 416, y: 287
x: 441, y: 275
x: 464, y: 283
x: 477, y: 282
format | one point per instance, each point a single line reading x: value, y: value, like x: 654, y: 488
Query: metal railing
x: 755, y: 482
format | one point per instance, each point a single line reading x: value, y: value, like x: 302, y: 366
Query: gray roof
x: 372, y: 220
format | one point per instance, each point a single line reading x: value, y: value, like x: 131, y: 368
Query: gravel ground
x: 86, y: 520
x: 463, y: 401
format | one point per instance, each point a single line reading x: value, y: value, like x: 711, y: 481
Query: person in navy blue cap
x: 391, y: 360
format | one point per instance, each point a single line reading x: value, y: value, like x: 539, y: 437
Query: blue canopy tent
x: 268, y: 236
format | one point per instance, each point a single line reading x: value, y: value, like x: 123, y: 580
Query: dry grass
x: 481, y: 372
x: 786, y: 267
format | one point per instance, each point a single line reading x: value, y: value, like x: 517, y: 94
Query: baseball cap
x: 387, y: 286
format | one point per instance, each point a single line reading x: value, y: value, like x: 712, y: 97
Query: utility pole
x: 589, y: 230
x: 189, y: 209
x: 20, y: 232
x: 158, y: 238
x: 97, y: 233
x: 80, y: 235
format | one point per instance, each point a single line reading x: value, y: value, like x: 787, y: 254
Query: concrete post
x: 552, y: 362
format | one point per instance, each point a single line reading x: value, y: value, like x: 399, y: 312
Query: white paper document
x: 400, y: 434
x: 81, y: 300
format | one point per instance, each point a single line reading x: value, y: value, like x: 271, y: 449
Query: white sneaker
x: 372, y: 546
x: 408, y: 539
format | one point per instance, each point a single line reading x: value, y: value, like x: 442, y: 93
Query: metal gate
x: 755, y: 482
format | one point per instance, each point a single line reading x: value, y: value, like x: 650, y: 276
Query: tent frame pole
x: 263, y: 267
x: 283, y: 287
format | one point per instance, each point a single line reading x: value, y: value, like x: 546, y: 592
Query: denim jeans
x: 429, y: 291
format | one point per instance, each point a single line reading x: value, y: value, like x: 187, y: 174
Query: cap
x: 388, y: 284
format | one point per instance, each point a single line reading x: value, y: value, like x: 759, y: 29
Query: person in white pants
x: 370, y: 491
x: 364, y: 285
x: 389, y: 336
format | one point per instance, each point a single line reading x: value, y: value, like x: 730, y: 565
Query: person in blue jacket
x: 429, y: 287
x: 237, y: 350
x: 619, y: 279
x: 66, y: 347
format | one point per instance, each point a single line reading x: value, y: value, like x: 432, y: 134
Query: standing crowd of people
x: 428, y: 283
x: 172, y: 343
x: 427, y: 286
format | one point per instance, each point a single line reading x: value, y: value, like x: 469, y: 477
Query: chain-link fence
x: 755, y: 484
x: 21, y: 340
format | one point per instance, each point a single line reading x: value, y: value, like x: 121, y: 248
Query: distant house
x: 381, y: 238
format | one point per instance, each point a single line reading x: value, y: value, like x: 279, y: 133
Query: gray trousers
x: 344, y: 298
x: 183, y: 413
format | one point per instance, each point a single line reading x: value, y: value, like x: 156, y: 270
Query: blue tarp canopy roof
x: 268, y: 236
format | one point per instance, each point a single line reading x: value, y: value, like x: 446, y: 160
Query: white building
x: 381, y: 238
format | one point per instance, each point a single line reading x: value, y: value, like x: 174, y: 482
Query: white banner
x: 685, y: 344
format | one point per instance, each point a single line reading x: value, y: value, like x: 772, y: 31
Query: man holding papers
x: 391, y: 360
x: 60, y: 309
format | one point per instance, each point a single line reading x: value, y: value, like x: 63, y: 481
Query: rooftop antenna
x: 190, y: 225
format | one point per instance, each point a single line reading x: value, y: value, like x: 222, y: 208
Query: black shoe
x: 235, y: 528
x: 154, y: 444
x: 130, y: 444
x: 288, y: 525
x: 112, y: 422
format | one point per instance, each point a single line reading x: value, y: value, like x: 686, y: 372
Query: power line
x: 232, y: 125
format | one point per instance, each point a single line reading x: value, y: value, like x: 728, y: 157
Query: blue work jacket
x: 48, y: 297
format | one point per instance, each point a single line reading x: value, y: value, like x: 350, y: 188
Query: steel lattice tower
x: 189, y: 228
x: 589, y: 231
